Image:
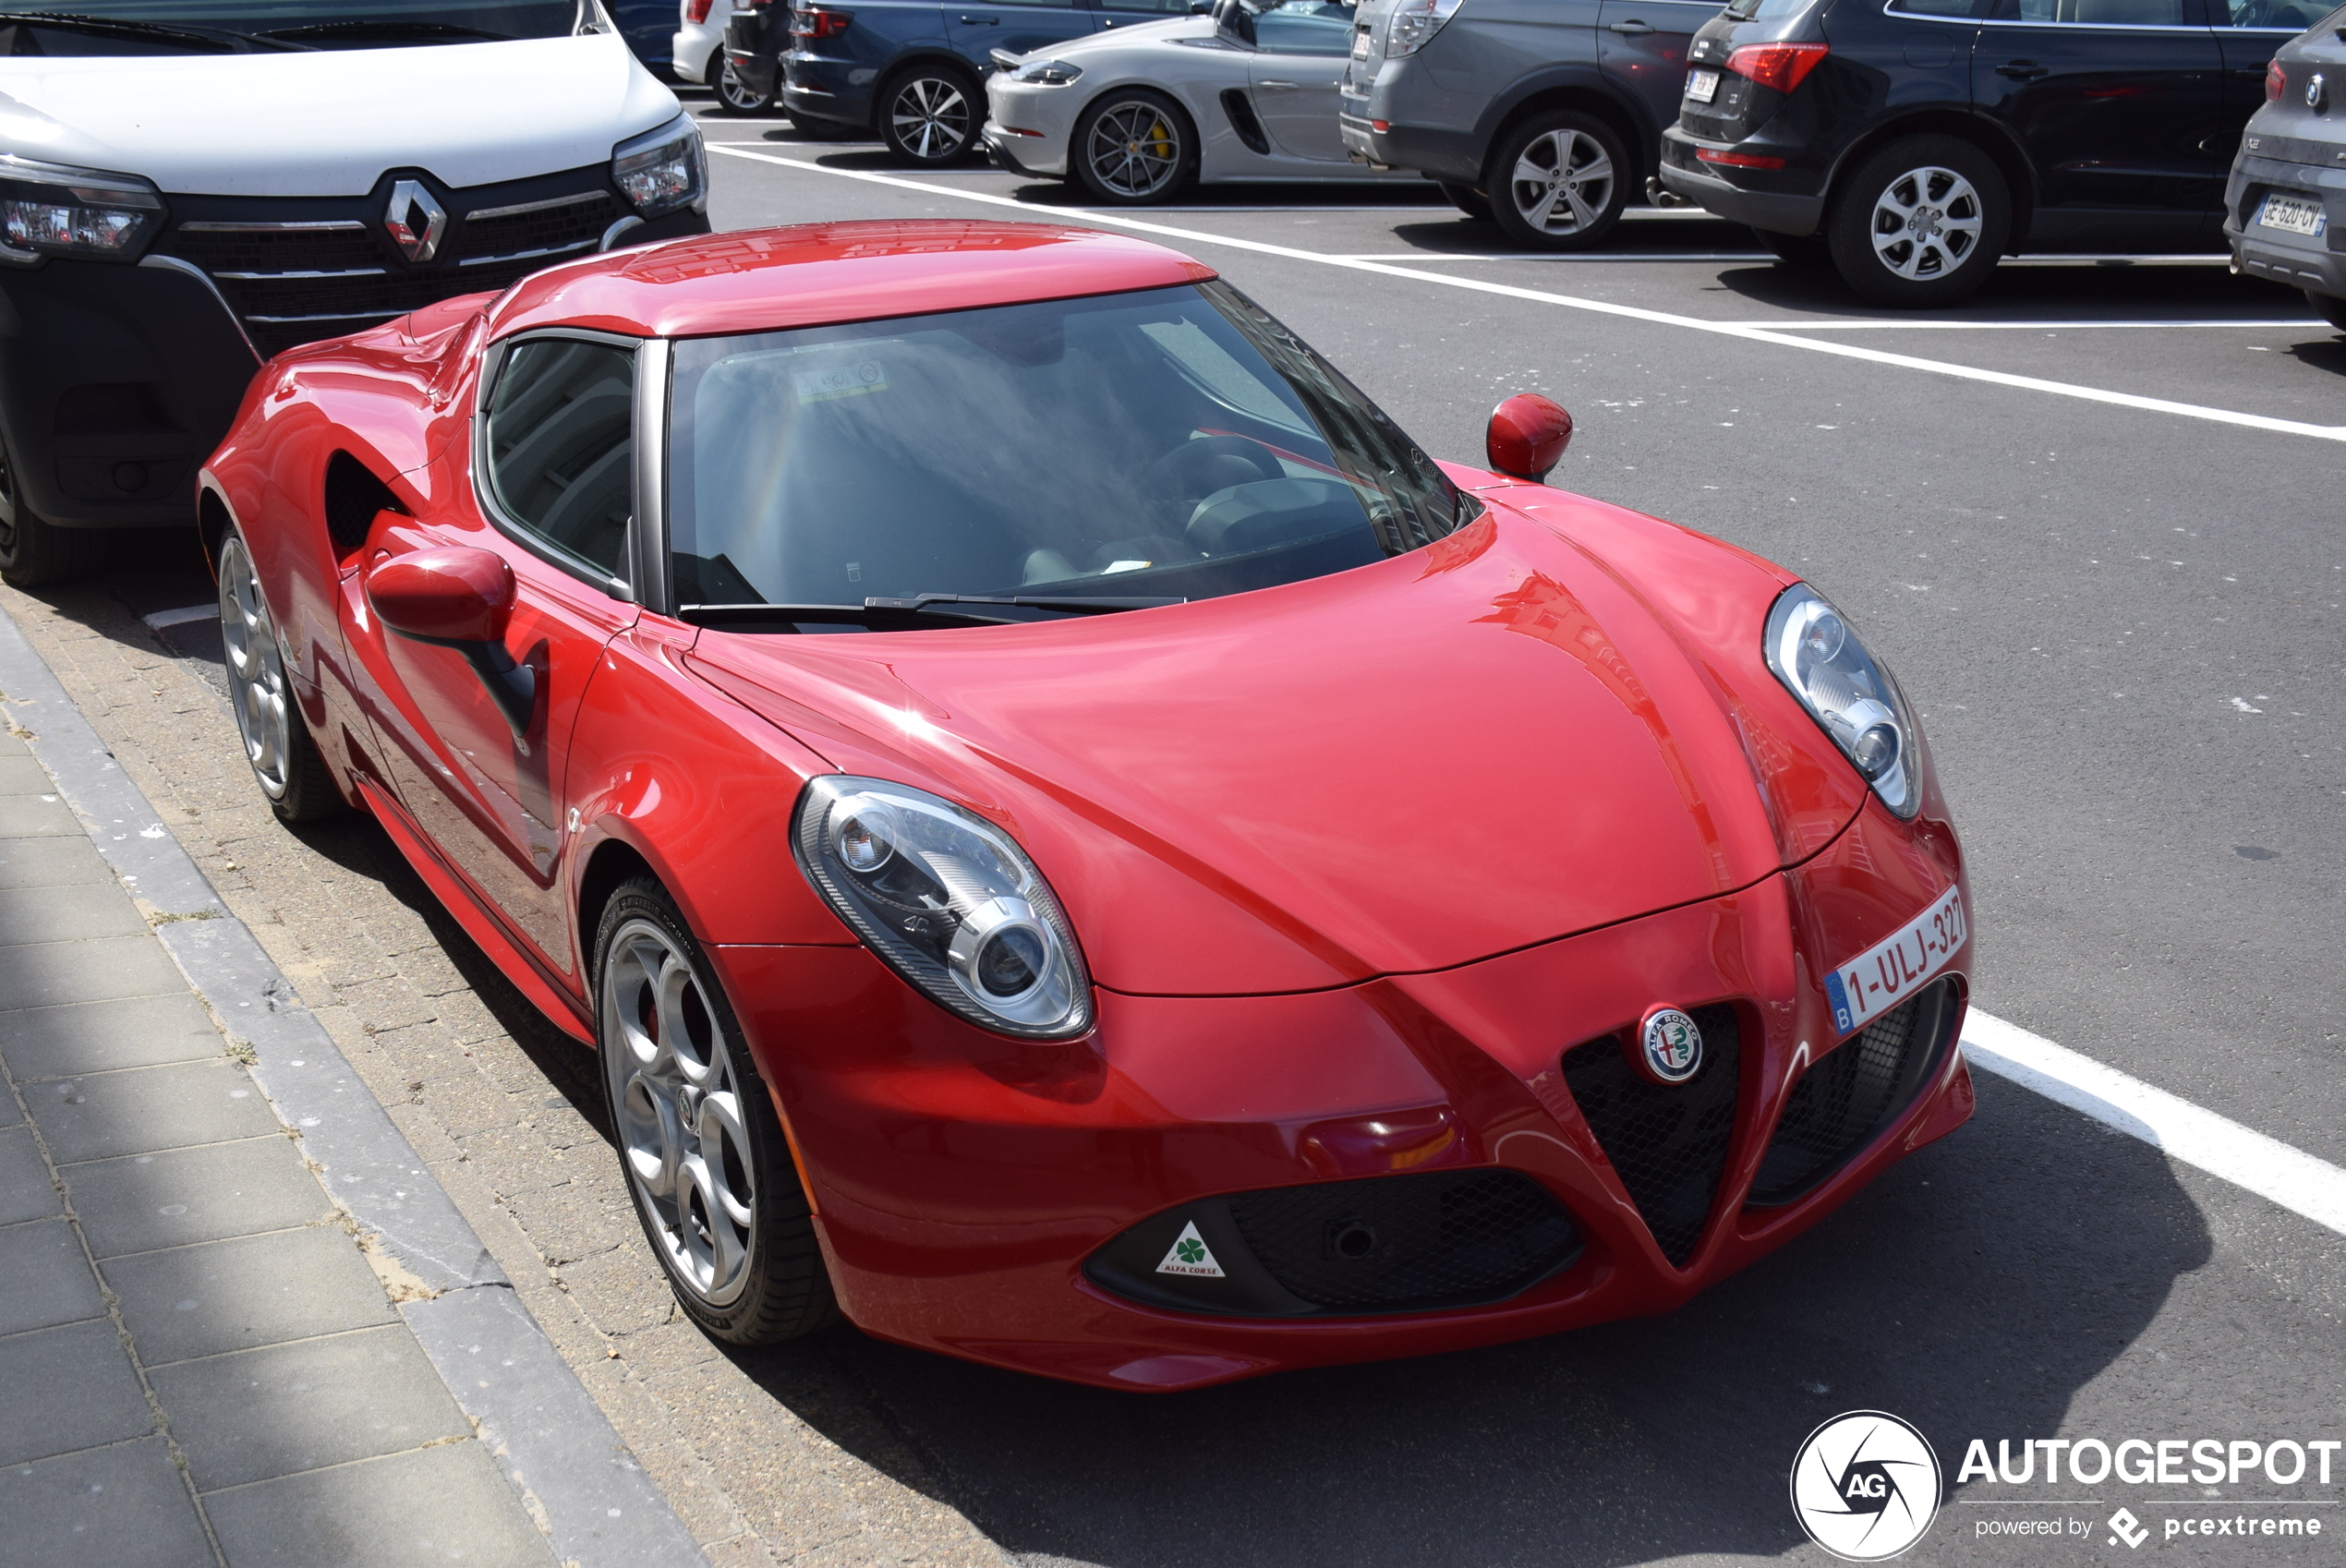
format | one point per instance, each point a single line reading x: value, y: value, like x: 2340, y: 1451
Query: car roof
x: 810, y: 274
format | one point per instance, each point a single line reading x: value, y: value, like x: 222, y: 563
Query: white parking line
x: 181, y: 616
x: 1830, y: 326
x: 1604, y: 307
x: 2290, y: 1177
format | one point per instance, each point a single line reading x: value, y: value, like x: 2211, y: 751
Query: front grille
x: 1667, y: 1144
x: 296, y: 281
x: 1395, y: 1244
x: 1842, y: 1102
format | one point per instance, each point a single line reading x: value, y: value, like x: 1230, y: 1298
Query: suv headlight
x: 51, y: 209
x: 1414, y: 24
x: 662, y: 170
x: 1046, y: 72
x: 949, y: 901
x: 1848, y: 692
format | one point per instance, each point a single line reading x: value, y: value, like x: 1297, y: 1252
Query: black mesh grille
x: 278, y: 250
x: 574, y: 225
x: 1407, y: 1243
x: 1847, y: 1099
x: 1668, y: 1145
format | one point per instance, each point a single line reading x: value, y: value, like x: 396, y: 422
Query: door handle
x: 2024, y: 70
x: 980, y: 22
x: 1634, y: 29
x: 1268, y: 86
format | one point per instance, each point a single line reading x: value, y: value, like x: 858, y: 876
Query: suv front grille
x: 1843, y: 1102
x: 1668, y: 1144
x: 295, y: 281
x: 1395, y: 1244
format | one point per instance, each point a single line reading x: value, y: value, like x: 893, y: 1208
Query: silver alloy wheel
x: 736, y: 97
x: 1927, y: 223
x: 256, y: 688
x: 679, y: 1110
x: 931, y: 118
x: 1134, y: 149
x: 1563, y: 181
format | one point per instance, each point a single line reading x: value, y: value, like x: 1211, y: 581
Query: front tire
x: 929, y: 115
x: 1921, y: 223
x: 285, y: 759
x: 2329, y: 307
x: 1467, y: 200
x: 1558, y: 182
x: 701, y: 1146
x: 34, y: 554
x: 1133, y: 148
x: 1806, y: 253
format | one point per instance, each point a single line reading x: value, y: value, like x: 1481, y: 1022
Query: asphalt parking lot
x: 2093, y: 519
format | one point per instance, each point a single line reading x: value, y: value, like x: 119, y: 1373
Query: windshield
x: 1176, y: 443
x: 152, y: 26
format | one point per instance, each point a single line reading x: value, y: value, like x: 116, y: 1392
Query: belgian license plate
x: 1892, y: 970
x: 2292, y: 214
x: 1702, y: 86
x: 1362, y: 42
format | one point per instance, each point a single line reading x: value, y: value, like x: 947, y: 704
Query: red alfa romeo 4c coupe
x: 1077, y: 844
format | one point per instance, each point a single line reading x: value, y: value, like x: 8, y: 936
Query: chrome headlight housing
x: 662, y: 170
x: 948, y: 900
x: 1851, y: 694
x: 1046, y: 72
x: 54, y: 209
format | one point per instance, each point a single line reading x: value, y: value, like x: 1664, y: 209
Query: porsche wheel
x: 1921, y: 223
x: 1559, y: 182
x: 286, y: 760
x: 1133, y: 148
x: 930, y: 114
x: 703, y: 1153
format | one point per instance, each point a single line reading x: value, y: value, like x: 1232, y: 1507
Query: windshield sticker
x: 839, y: 380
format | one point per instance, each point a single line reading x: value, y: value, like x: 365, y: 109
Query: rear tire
x: 34, y: 554
x: 929, y: 115
x: 1467, y: 200
x: 732, y: 97
x: 699, y: 1144
x: 1133, y: 148
x: 2329, y: 307
x: 1803, y: 252
x: 1558, y: 182
x: 1919, y: 224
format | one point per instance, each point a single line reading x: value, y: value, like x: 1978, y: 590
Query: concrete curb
x: 553, y: 1443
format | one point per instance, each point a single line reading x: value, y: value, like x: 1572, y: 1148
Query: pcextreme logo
x: 1864, y: 1486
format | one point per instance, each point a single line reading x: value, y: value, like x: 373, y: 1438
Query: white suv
x: 188, y: 190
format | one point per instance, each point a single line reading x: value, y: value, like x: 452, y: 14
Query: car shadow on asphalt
x: 2055, y: 292
x: 2323, y: 354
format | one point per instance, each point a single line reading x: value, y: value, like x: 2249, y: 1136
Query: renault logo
x: 416, y: 222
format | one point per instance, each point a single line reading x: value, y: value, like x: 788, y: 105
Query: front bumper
x: 1741, y: 197
x: 2300, y: 262
x: 963, y: 1182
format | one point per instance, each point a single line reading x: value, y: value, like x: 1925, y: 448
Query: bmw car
x: 1136, y: 115
x: 1075, y: 843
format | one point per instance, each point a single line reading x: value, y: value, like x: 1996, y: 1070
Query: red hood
x: 1502, y: 739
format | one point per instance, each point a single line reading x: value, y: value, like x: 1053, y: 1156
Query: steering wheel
x: 1176, y: 482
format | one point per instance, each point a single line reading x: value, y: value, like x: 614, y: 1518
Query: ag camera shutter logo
x: 1864, y: 1486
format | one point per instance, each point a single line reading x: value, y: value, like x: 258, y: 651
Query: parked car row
x: 1907, y: 144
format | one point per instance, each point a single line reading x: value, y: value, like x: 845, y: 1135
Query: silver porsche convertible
x: 1248, y: 93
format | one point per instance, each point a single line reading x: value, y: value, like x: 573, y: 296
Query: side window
x: 2096, y: 13
x: 1962, y: 10
x: 1304, y: 27
x: 2294, y: 15
x: 562, y: 449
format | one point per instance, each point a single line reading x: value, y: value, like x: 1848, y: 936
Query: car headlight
x: 1414, y: 24
x: 51, y: 209
x: 949, y: 901
x: 1848, y: 692
x: 1046, y: 72
x: 662, y: 169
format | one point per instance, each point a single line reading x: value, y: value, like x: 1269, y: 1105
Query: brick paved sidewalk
x: 198, y: 1363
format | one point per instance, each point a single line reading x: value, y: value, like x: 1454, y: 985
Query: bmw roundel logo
x: 1864, y: 1486
x: 1670, y: 1046
x: 2315, y: 88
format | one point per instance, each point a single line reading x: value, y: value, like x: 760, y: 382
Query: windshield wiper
x: 219, y: 38
x: 930, y: 609
x: 386, y: 30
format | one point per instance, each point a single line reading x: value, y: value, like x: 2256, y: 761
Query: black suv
x: 1911, y: 143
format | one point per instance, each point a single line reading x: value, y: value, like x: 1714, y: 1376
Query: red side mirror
x: 448, y: 594
x: 1528, y: 436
